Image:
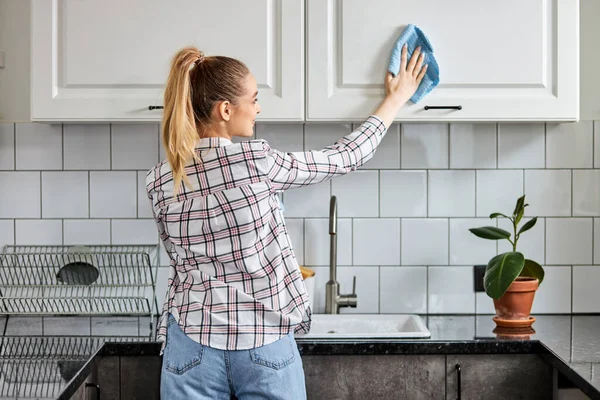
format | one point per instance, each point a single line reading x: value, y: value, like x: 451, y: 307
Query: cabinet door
x: 499, y: 60
x: 498, y: 377
x: 108, y: 60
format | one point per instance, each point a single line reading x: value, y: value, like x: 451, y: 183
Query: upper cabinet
x: 499, y: 60
x: 108, y: 60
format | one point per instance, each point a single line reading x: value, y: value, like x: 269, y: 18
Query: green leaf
x: 501, y: 272
x: 496, y: 215
x: 519, y: 205
x: 528, y: 225
x: 490, y: 232
x: 533, y: 270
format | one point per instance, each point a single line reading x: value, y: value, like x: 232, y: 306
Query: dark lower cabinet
x: 498, y: 377
x: 412, y: 377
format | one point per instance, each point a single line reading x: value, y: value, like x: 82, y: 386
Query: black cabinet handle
x: 459, y: 107
x: 96, y: 386
x: 155, y: 108
x: 458, y: 388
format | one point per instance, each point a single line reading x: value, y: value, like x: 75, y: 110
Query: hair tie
x: 200, y: 59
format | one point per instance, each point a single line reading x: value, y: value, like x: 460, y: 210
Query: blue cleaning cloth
x: 415, y: 37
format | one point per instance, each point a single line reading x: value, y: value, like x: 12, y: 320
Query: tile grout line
x: 497, y: 143
x: 14, y: 146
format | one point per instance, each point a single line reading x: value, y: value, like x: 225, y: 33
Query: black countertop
x: 569, y: 343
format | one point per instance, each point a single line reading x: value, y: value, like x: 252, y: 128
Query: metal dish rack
x: 40, y: 367
x: 125, y: 284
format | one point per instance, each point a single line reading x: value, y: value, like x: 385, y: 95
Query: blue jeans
x: 193, y: 371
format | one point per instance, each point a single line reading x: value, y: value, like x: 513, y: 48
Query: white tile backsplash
x: 531, y: 243
x: 403, y: 193
x: 87, y: 147
x: 569, y: 241
x: 424, y: 146
x: 498, y: 191
x: 357, y: 203
x: 425, y: 241
x: 407, y: 211
x: 113, y: 194
x: 65, y: 194
x: 39, y: 146
x: 451, y: 193
x: 569, y: 145
x: 548, y: 193
x: 376, y: 241
x: 7, y: 146
x: 521, y: 146
x: 472, y: 146
x: 134, y: 146
x: 403, y: 290
x: 20, y: 195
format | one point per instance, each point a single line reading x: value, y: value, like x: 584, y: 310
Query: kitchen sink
x: 366, y: 326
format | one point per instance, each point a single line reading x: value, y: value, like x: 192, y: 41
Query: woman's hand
x: 402, y: 86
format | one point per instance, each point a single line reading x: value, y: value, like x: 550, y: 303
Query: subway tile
x: 297, y: 205
x: 586, y: 296
x: 134, y: 146
x: 65, y: 194
x: 67, y: 326
x: 357, y: 203
x: 113, y: 194
x: 596, y: 236
x: 7, y: 232
x: 424, y: 146
x: 24, y: 326
x: 87, y: 231
x: 376, y: 241
x: 295, y: 228
x: 321, y: 135
x: 484, y: 304
x: 596, y: 144
x: 548, y: 193
x: 451, y: 290
x: 521, y: 145
x: 144, y: 207
x: 387, y: 155
x: 586, y: 193
x: 21, y: 196
x: 569, y: 145
x: 472, y: 146
x: 39, y: 146
x: 45, y: 232
x: 367, y: 288
x: 161, y: 147
x: 87, y: 146
x: 424, y: 241
x: 554, y: 294
x: 531, y: 243
x: 283, y: 137
x: 134, y: 231
x: 403, y: 290
x: 7, y: 146
x: 403, y: 193
x: 114, y: 326
x: 465, y: 247
x: 451, y: 193
x: 321, y: 278
x: 498, y: 191
x: 568, y: 241
x: 317, y: 242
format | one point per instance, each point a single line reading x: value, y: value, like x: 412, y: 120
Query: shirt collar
x: 211, y: 142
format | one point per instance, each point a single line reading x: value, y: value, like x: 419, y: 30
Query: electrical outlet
x: 478, y: 272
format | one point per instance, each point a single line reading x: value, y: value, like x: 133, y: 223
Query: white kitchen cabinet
x: 499, y: 60
x: 108, y: 60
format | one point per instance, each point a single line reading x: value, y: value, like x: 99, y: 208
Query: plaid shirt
x: 234, y: 281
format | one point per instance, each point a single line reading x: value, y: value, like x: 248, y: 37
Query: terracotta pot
x: 516, y: 303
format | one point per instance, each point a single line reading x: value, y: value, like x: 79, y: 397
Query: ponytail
x: 195, y: 84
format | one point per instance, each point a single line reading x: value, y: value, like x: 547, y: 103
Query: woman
x: 235, y: 292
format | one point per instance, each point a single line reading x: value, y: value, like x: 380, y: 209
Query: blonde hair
x: 195, y: 84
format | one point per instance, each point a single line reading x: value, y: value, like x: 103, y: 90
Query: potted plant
x: 511, y: 279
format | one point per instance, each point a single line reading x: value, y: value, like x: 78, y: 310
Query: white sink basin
x: 366, y: 326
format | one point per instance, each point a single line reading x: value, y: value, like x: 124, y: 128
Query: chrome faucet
x: 333, y: 299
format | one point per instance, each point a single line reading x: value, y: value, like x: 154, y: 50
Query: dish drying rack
x: 78, y: 280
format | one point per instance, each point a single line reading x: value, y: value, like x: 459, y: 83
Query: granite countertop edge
x: 364, y: 347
